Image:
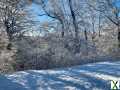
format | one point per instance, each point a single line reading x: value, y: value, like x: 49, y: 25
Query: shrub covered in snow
x: 7, y: 53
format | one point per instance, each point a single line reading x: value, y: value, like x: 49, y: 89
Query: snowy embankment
x: 86, y: 77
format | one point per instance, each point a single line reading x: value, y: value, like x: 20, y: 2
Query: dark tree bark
x: 99, y: 24
x: 93, y: 25
x: 77, y: 43
x: 119, y: 36
x: 85, y: 32
x: 74, y: 19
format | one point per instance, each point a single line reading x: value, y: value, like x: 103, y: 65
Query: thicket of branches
x: 79, y: 31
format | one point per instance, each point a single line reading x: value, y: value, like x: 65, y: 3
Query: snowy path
x: 86, y: 77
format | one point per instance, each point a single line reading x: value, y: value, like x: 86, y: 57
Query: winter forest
x: 59, y: 44
x: 46, y: 34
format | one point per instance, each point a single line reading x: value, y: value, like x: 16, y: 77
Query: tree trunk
x: 85, y: 33
x: 99, y: 25
x: 77, y: 43
x: 93, y: 35
x: 119, y: 36
x: 63, y: 30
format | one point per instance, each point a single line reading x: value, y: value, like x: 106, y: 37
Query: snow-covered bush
x: 52, y: 51
x: 7, y: 53
x: 42, y: 53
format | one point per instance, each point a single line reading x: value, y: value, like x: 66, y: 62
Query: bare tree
x: 13, y: 17
x: 110, y: 10
x: 55, y: 10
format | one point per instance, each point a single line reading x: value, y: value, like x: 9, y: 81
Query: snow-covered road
x: 95, y: 76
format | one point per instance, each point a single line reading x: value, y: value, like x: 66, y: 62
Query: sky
x: 36, y: 11
x: 117, y: 3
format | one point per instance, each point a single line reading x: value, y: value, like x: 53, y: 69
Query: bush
x: 6, y: 55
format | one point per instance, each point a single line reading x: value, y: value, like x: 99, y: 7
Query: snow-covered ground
x: 95, y: 76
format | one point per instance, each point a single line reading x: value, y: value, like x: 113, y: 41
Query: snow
x: 95, y: 76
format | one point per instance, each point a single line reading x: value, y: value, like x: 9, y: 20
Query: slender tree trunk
x: 62, y: 22
x: 119, y: 36
x: 93, y: 35
x: 99, y: 25
x: 74, y: 19
x: 77, y: 43
x: 63, y: 30
x: 85, y: 33
x: 86, y: 43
